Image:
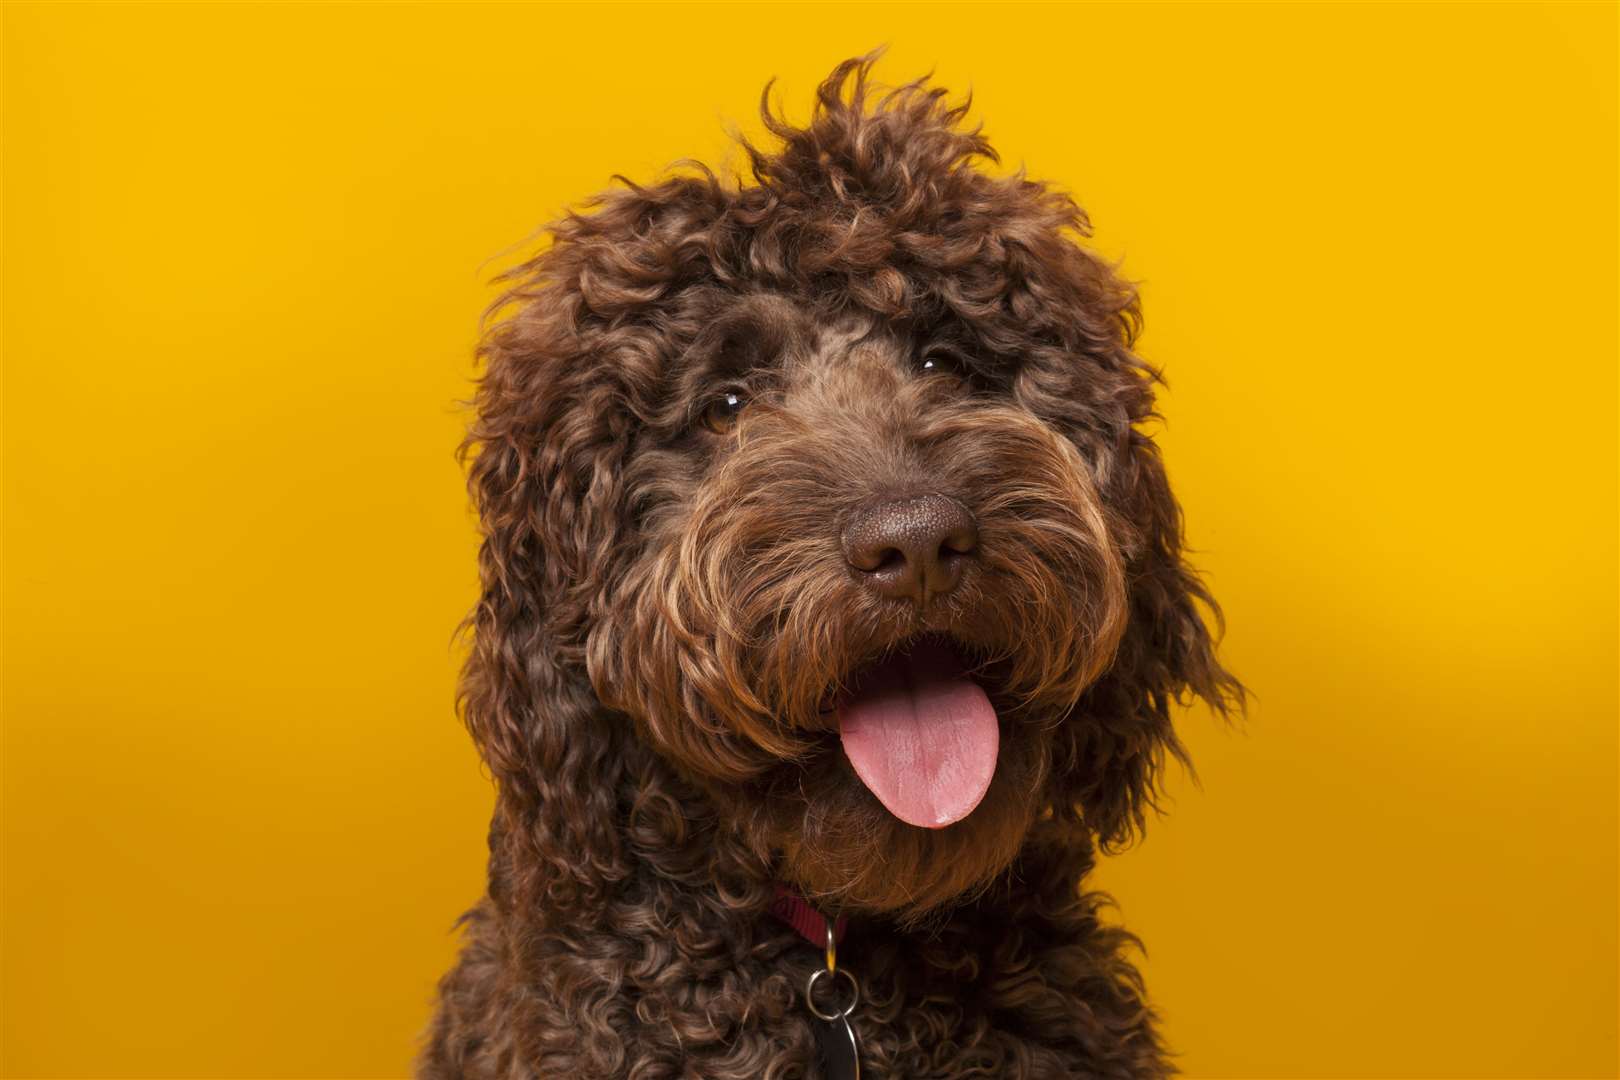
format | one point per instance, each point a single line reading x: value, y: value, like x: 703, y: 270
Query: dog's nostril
x: 911, y: 548
x: 889, y: 559
x: 961, y: 541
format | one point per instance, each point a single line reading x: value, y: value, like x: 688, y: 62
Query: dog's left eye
x: 721, y: 414
x: 940, y: 362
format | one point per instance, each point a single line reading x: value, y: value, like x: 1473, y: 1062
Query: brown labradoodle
x: 825, y: 572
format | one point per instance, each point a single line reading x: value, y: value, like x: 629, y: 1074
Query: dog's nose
x: 911, y: 548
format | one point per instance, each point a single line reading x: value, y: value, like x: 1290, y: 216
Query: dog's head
x: 828, y: 488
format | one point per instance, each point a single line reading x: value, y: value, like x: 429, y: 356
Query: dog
x: 833, y: 612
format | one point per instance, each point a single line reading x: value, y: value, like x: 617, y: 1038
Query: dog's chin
x: 844, y: 849
x: 923, y: 797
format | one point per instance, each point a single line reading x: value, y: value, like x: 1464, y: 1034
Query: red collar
x: 811, y: 924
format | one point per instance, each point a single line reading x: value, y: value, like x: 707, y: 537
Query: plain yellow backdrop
x: 245, y: 251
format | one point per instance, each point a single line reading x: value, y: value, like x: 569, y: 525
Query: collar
x: 798, y: 913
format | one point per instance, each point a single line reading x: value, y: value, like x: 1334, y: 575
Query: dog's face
x: 869, y: 578
x: 830, y: 489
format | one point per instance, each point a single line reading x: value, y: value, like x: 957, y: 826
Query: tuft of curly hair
x: 752, y: 459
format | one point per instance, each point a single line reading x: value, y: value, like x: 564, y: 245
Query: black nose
x: 914, y: 548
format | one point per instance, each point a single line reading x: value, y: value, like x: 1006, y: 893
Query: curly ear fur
x: 535, y: 720
x: 547, y: 451
x: 1166, y: 656
x: 1113, y: 755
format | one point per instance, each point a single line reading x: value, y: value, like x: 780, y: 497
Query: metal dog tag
x: 837, y: 1052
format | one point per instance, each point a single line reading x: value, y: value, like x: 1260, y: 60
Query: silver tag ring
x: 810, y: 994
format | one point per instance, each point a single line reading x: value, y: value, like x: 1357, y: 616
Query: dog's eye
x: 939, y: 361
x: 721, y: 414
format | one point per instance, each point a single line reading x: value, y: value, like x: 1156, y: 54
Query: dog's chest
x: 928, y: 1008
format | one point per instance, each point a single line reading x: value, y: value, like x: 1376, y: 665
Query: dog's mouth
x: 921, y: 733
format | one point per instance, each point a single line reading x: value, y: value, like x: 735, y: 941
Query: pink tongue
x: 922, y: 736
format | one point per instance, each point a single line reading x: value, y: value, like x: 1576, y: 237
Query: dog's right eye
x: 721, y: 414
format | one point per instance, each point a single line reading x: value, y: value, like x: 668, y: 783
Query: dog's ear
x: 1082, y: 320
x: 547, y: 450
x: 524, y: 699
x: 1166, y: 656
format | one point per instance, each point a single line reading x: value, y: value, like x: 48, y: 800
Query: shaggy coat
x: 686, y: 396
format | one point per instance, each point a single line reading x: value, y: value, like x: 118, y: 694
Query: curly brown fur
x: 666, y: 612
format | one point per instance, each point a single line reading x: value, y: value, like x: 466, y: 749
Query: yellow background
x: 245, y: 250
